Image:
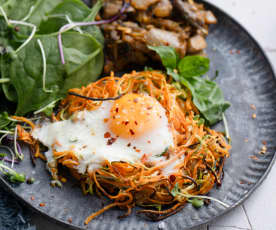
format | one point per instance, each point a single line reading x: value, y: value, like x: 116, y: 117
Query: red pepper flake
x: 32, y: 198
x: 113, y: 117
x: 253, y: 107
x: 254, y: 158
x: 131, y: 132
x: 129, y: 144
x: 264, y: 142
x: 70, y: 220
x: 117, y: 110
x: 149, y: 141
x: 126, y: 122
x: 105, y: 120
x: 238, y: 51
x: 172, y: 178
x: 138, y: 150
x: 135, y: 122
x: 144, y: 158
x: 111, y: 140
x: 134, y: 147
x: 42, y: 204
x: 107, y: 135
x: 149, y: 108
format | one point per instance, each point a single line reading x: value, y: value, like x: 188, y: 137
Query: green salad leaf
x: 193, y: 66
x: 207, y: 96
x: 37, y: 77
x: 167, y: 54
x: 84, y: 64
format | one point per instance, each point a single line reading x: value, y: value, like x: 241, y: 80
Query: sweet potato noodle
x: 202, y: 150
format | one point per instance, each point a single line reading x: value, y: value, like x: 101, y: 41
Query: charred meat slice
x: 163, y: 9
x: 196, y: 44
x: 142, y: 4
x: 158, y: 37
x: 182, y: 24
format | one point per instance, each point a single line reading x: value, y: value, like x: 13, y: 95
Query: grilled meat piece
x: 181, y: 24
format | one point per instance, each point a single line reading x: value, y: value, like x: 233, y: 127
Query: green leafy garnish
x: 176, y: 192
x: 192, y: 66
x: 11, y: 174
x: 34, y: 84
x: 167, y: 54
x: 207, y: 96
x: 197, y: 203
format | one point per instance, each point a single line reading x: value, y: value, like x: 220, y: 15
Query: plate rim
x: 28, y: 204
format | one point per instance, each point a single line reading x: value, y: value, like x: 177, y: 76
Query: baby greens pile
x: 188, y: 71
x: 32, y: 74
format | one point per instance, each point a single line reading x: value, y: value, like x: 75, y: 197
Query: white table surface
x: 257, y: 212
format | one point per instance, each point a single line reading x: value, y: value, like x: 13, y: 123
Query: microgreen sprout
x: 44, y: 67
x: 17, y: 151
x: 49, y: 106
x: 12, y: 175
x: 4, y: 15
x: 71, y: 22
x: 176, y: 191
x: 20, y: 23
x: 28, y: 15
x: 4, y: 80
x: 6, y: 132
x: 227, y: 135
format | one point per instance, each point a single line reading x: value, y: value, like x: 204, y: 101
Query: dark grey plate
x: 246, y: 77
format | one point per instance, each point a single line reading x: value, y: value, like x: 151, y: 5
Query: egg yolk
x: 133, y: 115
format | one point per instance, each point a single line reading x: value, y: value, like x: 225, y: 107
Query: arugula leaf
x: 207, y: 97
x: 192, y: 66
x: 167, y: 54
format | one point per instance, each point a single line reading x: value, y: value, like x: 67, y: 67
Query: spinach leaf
x: 192, y: 66
x: 17, y: 10
x: 8, y: 88
x: 94, y: 30
x: 207, y: 97
x: 74, y: 9
x: 84, y: 64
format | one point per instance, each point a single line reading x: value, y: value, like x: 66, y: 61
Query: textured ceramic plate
x: 246, y: 78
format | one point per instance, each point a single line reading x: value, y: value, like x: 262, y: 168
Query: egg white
x: 85, y: 136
